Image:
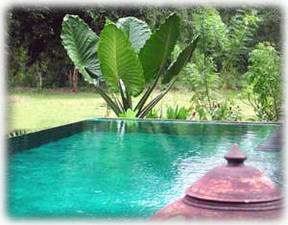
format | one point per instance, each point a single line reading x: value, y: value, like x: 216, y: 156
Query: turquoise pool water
x: 112, y: 170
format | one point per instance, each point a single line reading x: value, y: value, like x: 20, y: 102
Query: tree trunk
x: 40, y: 84
x: 75, y: 79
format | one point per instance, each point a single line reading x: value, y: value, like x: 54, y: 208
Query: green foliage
x: 119, y: 61
x: 17, y: 132
x: 80, y: 43
x: 241, y: 31
x: 154, y: 56
x: 264, y: 82
x: 242, y: 28
x: 158, y: 47
x: 227, y: 35
x: 226, y: 45
x: 216, y: 60
x: 270, y: 26
x: 129, y: 114
x: 37, y: 30
x: 219, y: 110
x: 154, y: 114
x: 225, y: 111
x: 18, y: 72
x: 182, y: 59
x: 201, y: 72
x: 137, y: 31
x: 213, y: 39
x: 177, y: 113
x: 210, y: 28
x: 123, y: 70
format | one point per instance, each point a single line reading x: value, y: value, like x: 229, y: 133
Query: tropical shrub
x: 17, y: 132
x: 226, y: 109
x: 213, y: 40
x: 225, y: 45
x: 128, y: 57
x: 154, y: 114
x: 211, y: 29
x: 264, y: 82
x: 241, y: 30
x: 201, y: 73
x: 129, y: 114
x: 178, y: 113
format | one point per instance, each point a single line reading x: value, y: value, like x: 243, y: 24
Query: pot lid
x: 235, y: 182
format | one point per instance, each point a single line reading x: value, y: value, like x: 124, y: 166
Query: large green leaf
x: 80, y: 42
x: 137, y: 31
x: 184, y: 57
x: 159, y: 46
x: 118, y: 60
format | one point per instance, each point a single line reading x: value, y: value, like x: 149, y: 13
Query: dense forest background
x: 37, y: 59
x: 234, y: 73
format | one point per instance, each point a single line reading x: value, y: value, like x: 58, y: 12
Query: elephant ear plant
x: 128, y: 57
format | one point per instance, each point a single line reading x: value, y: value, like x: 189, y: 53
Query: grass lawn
x: 32, y: 110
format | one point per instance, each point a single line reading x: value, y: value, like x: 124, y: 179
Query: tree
x: 264, y: 82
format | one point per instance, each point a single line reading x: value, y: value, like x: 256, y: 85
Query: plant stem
x: 108, y: 100
x: 146, y: 95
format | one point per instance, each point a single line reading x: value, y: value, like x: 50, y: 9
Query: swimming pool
x: 109, y: 168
